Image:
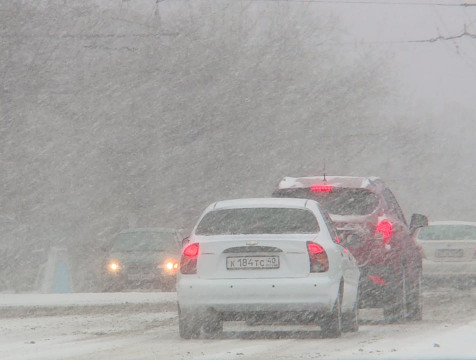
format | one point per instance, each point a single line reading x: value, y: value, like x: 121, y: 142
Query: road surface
x: 126, y: 326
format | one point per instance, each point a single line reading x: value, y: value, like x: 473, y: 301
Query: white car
x: 266, y: 258
x: 449, y: 249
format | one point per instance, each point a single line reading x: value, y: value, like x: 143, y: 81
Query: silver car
x: 449, y: 251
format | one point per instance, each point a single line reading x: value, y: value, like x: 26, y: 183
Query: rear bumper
x: 316, y: 294
x: 442, y: 269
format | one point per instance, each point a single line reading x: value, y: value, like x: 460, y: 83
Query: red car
x: 371, y: 224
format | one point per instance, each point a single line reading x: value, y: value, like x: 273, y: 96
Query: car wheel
x: 189, y: 327
x: 213, y: 325
x: 350, y: 320
x: 414, y: 300
x: 394, y: 307
x: 331, y: 324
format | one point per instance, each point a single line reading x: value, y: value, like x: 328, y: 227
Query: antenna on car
x: 324, y: 170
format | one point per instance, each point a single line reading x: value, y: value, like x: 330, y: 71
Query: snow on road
x: 85, y: 299
x: 120, y: 331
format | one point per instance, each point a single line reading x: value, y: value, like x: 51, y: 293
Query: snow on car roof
x: 260, y: 202
x: 339, y: 181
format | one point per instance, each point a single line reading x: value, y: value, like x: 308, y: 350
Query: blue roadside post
x: 62, y: 279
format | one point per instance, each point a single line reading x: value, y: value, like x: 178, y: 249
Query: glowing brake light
x: 321, y: 188
x: 313, y: 248
x: 191, y: 250
x: 188, y: 261
x: 384, y: 227
x: 319, y: 262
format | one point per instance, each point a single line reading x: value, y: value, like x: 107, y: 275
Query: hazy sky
x: 439, y: 72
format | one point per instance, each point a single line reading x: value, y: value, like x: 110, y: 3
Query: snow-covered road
x: 144, y: 326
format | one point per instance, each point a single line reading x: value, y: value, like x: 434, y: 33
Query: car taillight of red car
x: 384, y: 228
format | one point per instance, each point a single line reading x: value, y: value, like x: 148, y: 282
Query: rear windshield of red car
x: 339, y: 201
x: 258, y: 221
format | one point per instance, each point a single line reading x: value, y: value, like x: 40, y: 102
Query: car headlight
x: 171, y: 266
x: 113, y: 266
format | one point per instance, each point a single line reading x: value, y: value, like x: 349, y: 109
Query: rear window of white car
x: 258, y: 221
x: 339, y: 201
x: 448, y: 232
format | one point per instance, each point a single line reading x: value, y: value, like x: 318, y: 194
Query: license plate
x: 449, y: 253
x: 252, y: 262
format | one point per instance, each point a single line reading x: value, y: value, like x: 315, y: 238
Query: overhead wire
x: 369, y: 2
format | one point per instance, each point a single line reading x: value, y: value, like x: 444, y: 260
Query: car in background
x: 372, y: 226
x: 449, y: 249
x: 143, y: 258
x: 266, y: 258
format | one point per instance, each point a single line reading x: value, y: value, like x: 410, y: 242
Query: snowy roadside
x: 12, y: 305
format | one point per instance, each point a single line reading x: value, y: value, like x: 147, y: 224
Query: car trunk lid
x: 254, y: 256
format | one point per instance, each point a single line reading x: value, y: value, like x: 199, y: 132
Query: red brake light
x: 319, y: 262
x: 385, y: 228
x: 191, y: 250
x: 313, y: 248
x: 188, y: 261
x: 321, y: 188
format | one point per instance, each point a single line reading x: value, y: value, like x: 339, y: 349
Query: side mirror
x: 418, y: 221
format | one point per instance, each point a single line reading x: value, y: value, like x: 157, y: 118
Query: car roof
x: 451, y: 222
x: 338, y: 181
x: 260, y: 202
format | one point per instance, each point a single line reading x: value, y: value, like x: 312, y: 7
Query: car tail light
x: 321, y: 188
x: 384, y: 227
x: 377, y: 280
x: 188, y: 262
x: 319, y: 262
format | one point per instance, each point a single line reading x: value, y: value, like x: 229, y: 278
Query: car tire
x: 189, y: 327
x: 331, y: 324
x: 212, y: 326
x: 350, y: 320
x: 414, y: 300
x: 395, y: 298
